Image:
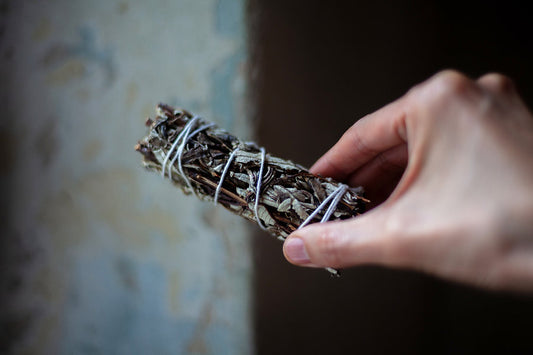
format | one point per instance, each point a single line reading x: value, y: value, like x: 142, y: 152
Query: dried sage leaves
x: 194, y: 154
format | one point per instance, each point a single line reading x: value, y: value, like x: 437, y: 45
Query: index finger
x: 368, y: 137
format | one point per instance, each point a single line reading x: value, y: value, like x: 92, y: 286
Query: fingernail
x: 295, y: 251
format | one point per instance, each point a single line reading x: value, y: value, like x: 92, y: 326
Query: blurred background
x: 99, y: 256
x: 318, y: 69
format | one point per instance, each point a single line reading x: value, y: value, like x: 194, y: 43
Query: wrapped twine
x: 280, y: 196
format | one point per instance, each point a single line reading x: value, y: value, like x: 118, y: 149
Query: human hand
x: 463, y: 208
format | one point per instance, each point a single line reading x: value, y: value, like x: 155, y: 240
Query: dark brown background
x: 318, y: 66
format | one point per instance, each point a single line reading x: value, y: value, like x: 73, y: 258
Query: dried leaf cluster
x: 288, y: 193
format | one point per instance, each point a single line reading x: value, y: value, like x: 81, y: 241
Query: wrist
x: 514, y: 232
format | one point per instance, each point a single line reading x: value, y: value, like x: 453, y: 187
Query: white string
x: 333, y: 206
x: 258, y: 188
x: 205, y: 126
x: 179, y: 153
x: 183, y: 138
x: 224, y: 172
x: 176, y: 141
x: 336, y: 197
x: 182, y: 145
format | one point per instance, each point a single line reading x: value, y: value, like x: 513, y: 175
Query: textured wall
x: 98, y: 255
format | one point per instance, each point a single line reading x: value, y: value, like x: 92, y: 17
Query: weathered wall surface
x: 98, y: 255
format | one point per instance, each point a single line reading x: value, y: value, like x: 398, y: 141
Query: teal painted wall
x: 100, y: 256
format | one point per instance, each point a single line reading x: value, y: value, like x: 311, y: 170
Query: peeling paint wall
x: 98, y: 255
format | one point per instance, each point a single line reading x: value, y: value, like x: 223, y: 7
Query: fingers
x: 338, y: 244
x: 387, y: 128
x: 367, y: 138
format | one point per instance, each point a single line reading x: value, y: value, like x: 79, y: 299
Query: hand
x: 463, y: 207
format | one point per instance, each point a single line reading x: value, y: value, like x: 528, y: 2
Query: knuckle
x: 441, y: 89
x: 450, y: 83
x: 497, y: 82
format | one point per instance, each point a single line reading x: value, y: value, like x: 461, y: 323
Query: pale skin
x: 449, y: 167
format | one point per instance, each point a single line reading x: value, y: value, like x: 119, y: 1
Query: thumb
x: 361, y: 240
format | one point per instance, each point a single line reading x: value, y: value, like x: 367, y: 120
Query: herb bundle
x: 201, y: 158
